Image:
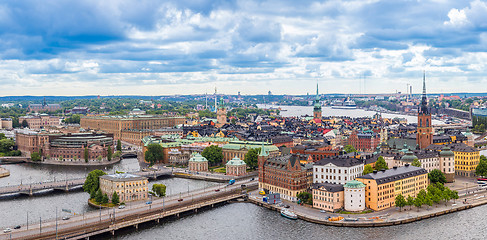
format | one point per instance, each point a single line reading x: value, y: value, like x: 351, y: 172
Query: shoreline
x: 434, y: 211
x: 64, y: 163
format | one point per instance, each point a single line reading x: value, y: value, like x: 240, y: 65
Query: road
x: 110, y: 215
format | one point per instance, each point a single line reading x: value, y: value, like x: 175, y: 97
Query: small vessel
x: 351, y: 219
x: 288, y: 214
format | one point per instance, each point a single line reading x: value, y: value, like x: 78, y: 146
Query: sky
x: 148, y: 47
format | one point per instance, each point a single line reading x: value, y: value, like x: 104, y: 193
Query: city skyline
x: 72, y: 48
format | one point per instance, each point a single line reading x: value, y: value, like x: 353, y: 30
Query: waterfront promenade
x: 388, y: 217
x: 135, y: 213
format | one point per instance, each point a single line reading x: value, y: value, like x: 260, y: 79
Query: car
x: 66, y: 218
x: 262, y: 193
x: 148, y: 202
x: 121, y: 207
x: 180, y: 200
x: 322, y: 211
x: 286, y: 206
x: 6, y: 230
x: 217, y: 190
x: 17, y: 227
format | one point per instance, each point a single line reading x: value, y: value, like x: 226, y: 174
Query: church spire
x: 424, y: 102
x: 317, y: 94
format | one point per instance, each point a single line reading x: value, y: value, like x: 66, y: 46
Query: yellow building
x: 382, y: 187
x: 328, y: 196
x: 466, y: 159
x: 129, y: 187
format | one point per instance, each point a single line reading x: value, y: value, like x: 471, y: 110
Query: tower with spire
x: 261, y: 159
x: 221, y: 114
x: 317, y: 105
x: 424, y: 135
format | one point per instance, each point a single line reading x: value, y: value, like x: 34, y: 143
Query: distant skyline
x: 146, y: 47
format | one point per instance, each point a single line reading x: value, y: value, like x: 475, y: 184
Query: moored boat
x: 288, y: 214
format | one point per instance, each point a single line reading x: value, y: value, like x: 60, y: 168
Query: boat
x: 349, y: 219
x: 348, y: 104
x: 288, y: 214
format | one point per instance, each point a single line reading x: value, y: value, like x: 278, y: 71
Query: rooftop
x: 394, y: 174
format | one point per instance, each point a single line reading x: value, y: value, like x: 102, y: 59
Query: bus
x: 482, y: 182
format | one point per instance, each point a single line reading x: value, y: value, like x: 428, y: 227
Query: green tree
x: 428, y: 200
x: 159, y: 189
x: 35, y: 156
x: 400, y: 201
x: 251, y: 158
x: 481, y: 169
x: 446, y: 195
x: 454, y: 195
x: 92, y: 194
x: 86, y: 155
x: 24, y: 124
x: 115, y: 198
x: 349, y: 149
x: 436, y: 176
x: 117, y: 154
x: 416, y: 163
x: 109, y: 153
x: 105, y: 198
x: 305, y: 197
x: 154, y: 153
x: 367, y: 169
x: 381, y: 164
x: 410, y: 201
x: 92, y: 182
x: 98, y: 196
x: 6, y: 145
x: 119, y: 145
x: 418, y: 202
x: 213, y: 154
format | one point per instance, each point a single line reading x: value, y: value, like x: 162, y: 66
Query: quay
x: 383, y: 218
x: 110, y: 220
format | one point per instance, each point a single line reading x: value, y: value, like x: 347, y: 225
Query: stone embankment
x: 4, y: 172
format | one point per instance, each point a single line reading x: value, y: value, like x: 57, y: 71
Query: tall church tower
x: 424, y: 136
x: 317, y: 105
x: 221, y: 114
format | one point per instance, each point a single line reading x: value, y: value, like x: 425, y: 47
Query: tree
x: 213, y: 154
x: 109, y: 153
x: 35, y: 156
x: 410, y: 201
x: 454, y: 195
x: 159, y: 189
x: 381, y: 164
x: 481, y: 169
x: 93, y: 194
x: 6, y: 145
x: 367, y: 169
x: 98, y: 196
x: 400, y: 201
x: 154, y: 153
x: 105, y: 198
x: 117, y: 154
x: 305, y: 197
x: 92, y: 182
x: 416, y: 163
x: 436, y: 176
x: 418, y: 202
x: 86, y: 155
x: 251, y: 158
x: 428, y: 200
x: 115, y: 198
x: 446, y: 195
x: 119, y: 145
x: 349, y: 149
x: 24, y: 124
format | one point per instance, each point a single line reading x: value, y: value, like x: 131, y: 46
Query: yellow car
x: 262, y: 193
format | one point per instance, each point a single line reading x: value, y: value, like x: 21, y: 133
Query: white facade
x: 354, y: 198
x: 330, y: 173
x: 447, y: 164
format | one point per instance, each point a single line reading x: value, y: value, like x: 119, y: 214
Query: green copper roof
x: 235, y: 162
x: 197, y: 158
x: 354, y: 184
x: 409, y: 157
x: 446, y: 152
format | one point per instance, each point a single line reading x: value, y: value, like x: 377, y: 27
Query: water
x: 248, y: 221
x: 297, y: 111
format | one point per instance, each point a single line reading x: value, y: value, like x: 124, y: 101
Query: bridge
x: 129, y: 154
x: 68, y: 185
x: 110, y: 220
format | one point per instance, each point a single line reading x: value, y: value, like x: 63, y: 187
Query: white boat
x: 288, y: 214
x: 348, y: 104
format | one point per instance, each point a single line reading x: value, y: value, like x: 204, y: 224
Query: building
x: 44, y: 107
x: 447, y: 164
x: 337, y: 170
x: 221, y: 114
x: 129, y: 187
x: 354, y: 192
x: 117, y: 124
x: 236, y: 167
x: 424, y: 135
x: 240, y: 148
x: 284, y: 174
x: 365, y: 141
x: 317, y: 105
x: 37, y: 122
x: 29, y: 141
x: 6, y: 123
x: 78, y: 110
x: 382, y: 187
x: 328, y: 196
x: 197, y: 163
x: 71, y: 147
x: 466, y: 159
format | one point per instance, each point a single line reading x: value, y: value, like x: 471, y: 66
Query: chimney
x: 407, y: 165
x: 395, y: 167
x: 375, y: 171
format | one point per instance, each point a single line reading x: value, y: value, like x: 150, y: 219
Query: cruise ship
x: 348, y: 104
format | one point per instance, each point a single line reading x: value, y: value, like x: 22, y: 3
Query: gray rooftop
x: 123, y: 177
x: 395, y: 174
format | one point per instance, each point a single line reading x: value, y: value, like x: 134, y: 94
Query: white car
x: 7, y: 230
x: 121, y: 207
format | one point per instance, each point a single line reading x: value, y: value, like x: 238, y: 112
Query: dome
x: 409, y: 157
x: 354, y: 184
x: 235, y: 162
x: 446, y: 152
x: 197, y: 158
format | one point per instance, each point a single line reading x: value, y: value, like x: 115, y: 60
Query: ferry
x: 348, y: 104
x: 288, y: 214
